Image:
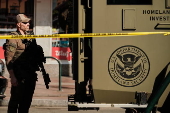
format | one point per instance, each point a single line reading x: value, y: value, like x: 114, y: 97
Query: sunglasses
x: 25, y: 22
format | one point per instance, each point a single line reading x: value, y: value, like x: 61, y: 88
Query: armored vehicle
x: 121, y: 71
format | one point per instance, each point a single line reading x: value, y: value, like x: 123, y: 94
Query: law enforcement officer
x: 21, y: 67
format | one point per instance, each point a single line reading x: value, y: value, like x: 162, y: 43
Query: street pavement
x: 52, y: 100
x: 64, y: 110
x: 51, y: 97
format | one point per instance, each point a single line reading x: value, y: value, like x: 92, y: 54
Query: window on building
x: 62, y: 20
x: 8, y: 11
x: 129, y: 2
x: 62, y: 17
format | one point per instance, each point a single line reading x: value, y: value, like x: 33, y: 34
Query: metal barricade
x: 59, y: 70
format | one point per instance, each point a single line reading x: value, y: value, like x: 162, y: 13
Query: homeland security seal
x: 128, y: 66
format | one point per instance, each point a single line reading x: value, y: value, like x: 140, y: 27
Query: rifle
x: 40, y: 60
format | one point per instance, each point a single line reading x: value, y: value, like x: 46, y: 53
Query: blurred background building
x: 47, y: 17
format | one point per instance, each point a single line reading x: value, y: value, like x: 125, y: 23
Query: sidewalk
x: 51, y: 97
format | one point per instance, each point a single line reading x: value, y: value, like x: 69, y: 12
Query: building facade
x: 47, y: 17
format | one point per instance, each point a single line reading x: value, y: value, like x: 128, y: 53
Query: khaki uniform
x: 13, y: 49
x: 20, y: 60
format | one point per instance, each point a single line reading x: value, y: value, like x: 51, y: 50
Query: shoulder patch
x: 11, y: 47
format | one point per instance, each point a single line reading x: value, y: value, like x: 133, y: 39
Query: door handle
x: 81, y: 45
x: 82, y: 59
x: 88, y: 4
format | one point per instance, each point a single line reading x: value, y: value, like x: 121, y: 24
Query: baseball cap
x: 22, y: 18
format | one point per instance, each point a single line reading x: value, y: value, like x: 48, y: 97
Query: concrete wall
x: 52, y: 70
x: 43, y: 26
x: 43, y: 23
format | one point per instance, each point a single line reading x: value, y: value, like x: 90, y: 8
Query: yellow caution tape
x: 82, y: 35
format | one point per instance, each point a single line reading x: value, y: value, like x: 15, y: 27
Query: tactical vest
x: 24, y: 63
x: 21, y: 54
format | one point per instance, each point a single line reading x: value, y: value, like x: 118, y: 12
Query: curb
x: 42, y: 103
